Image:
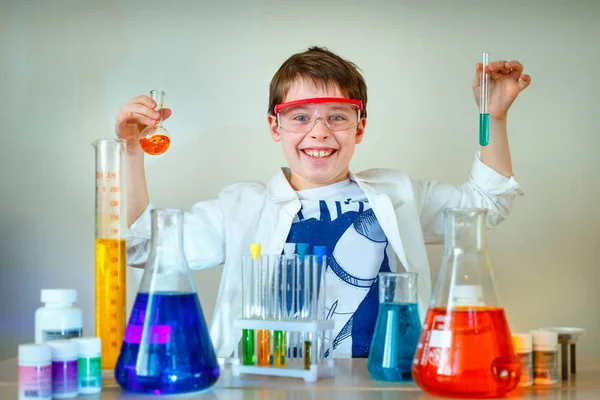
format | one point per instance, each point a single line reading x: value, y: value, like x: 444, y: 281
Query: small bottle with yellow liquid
x: 154, y: 139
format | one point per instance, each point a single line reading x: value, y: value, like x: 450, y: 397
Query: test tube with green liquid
x: 249, y: 291
x: 484, y: 114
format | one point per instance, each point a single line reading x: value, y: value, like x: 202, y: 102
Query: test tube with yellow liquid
x: 111, y: 222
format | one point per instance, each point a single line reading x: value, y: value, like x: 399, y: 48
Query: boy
x: 367, y: 221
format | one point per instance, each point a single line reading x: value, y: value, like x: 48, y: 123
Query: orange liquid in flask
x: 467, y: 352
x: 155, y: 144
x: 110, y: 298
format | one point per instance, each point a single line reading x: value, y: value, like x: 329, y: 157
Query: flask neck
x: 465, y: 230
x: 158, y: 97
x: 167, y: 233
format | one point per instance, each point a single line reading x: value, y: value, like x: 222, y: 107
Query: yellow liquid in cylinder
x: 110, y: 298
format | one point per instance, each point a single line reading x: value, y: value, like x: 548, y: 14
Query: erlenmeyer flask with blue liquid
x: 397, y: 329
x: 166, y: 347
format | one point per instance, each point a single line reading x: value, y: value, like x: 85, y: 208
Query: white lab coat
x: 409, y: 212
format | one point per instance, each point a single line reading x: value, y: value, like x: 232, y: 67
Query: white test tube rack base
x: 322, y: 368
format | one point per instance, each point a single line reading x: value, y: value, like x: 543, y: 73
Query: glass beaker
x: 111, y: 220
x: 465, y: 348
x: 155, y: 139
x: 166, y: 348
x: 397, y: 328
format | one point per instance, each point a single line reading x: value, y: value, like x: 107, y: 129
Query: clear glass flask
x: 397, y: 329
x: 465, y: 349
x: 155, y: 139
x: 111, y: 220
x: 166, y: 347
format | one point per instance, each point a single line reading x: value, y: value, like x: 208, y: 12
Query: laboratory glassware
x: 167, y: 348
x: 111, y: 220
x: 397, y: 329
x: 465, y: 348
x: 484, y: 114
x: 283, y: 295
x: 155, y: 139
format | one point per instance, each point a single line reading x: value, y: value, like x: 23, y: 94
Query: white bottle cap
x: 523, y: 342
x: 87, y: 346
x: 468, y: 295
x: 63, y: 349
x: 34, y: 354
x: 544, y: 339
x: 65, y: 296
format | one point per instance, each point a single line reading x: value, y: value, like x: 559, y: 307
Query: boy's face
x: 321, y: 156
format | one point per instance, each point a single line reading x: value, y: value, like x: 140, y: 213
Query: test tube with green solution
x: 484, y: 115
x: 250, y: 302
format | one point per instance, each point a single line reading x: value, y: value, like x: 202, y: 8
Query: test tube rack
x: 311, y: 369
x: 283, y: 327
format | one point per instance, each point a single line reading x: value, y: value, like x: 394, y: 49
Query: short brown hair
x: 323, y: 67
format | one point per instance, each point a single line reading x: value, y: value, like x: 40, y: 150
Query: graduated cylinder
x: 111, y: 223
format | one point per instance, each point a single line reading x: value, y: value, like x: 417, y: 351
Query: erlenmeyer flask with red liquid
x: 465, y: 349
x: 166, y: 346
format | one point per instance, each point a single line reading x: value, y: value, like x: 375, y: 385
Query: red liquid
x: 469, y: 354
x: 155, y: 144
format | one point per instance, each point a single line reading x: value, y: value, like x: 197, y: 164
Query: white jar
x: 35, y: 372
x: 58, y: 319
x: 64, y: 368
x: 523, y: 348
x: 545, y: 357
x: 89, y: 367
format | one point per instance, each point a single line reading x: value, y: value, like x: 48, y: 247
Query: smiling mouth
x: 319, y: 153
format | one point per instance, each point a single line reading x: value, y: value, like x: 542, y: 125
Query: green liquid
x: 484, y: 129
x: 89, y: 373
x: 248, y: 347
x: 279, y: 348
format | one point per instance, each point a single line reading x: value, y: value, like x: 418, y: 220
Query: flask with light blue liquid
x: 397, y: 329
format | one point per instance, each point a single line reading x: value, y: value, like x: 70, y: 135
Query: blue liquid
x: 175, y: 354
x: 395, y: 340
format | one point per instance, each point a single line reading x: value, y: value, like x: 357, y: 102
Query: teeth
x: 318, y: 153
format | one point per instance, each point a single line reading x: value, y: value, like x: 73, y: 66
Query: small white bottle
x: 89, y: 369
x: 58, y: 319
x: 64, y: 368
x: 35, y: 372
x: 545, y: 357
x: 523, y: 348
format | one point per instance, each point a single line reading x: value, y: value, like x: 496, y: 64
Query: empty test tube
x: 317, y: 301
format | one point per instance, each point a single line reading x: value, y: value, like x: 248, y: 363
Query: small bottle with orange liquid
x: 155, y: 139
x: 466, y: 348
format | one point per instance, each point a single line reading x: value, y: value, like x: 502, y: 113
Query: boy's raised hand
x: 507, y: 80
x: 134, y: 116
